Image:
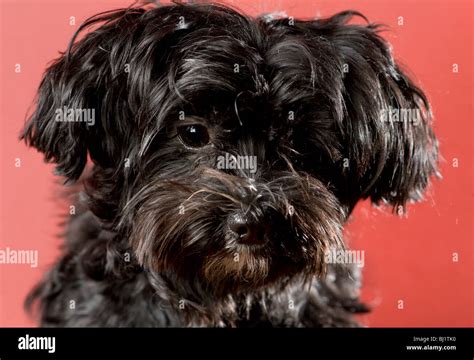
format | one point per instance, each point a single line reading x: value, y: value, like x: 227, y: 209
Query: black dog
x: 228, y: 153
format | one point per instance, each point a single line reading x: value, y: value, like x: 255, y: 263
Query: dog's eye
x: 195, y: 135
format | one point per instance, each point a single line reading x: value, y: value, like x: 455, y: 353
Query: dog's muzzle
x: 248, y: 229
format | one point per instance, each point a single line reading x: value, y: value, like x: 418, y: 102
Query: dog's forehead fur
x: 251, y: 65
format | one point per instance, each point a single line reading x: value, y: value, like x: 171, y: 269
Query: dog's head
x: 231, y: 150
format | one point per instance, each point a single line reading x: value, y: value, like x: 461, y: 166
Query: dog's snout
x: 247, y: 230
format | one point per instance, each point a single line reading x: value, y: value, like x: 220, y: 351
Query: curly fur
x: 148, y: 246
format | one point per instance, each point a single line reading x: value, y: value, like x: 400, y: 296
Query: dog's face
x: 230, y: 151
x: 229, y: 198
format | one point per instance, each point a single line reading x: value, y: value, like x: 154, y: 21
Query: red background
x: 407, y: 259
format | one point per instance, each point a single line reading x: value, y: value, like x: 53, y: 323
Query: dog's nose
x: 247, y: 231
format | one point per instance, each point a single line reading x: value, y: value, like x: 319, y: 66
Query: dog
x: 215, y: 159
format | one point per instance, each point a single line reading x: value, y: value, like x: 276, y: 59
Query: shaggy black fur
x: 162, y: 236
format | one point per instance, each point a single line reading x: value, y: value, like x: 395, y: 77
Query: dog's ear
x: 69, y: 104
x: 384, y: 120
x: 94, y: 96
x: 79, y: 103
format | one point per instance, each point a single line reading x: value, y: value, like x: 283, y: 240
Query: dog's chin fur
x: 151, y: 242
